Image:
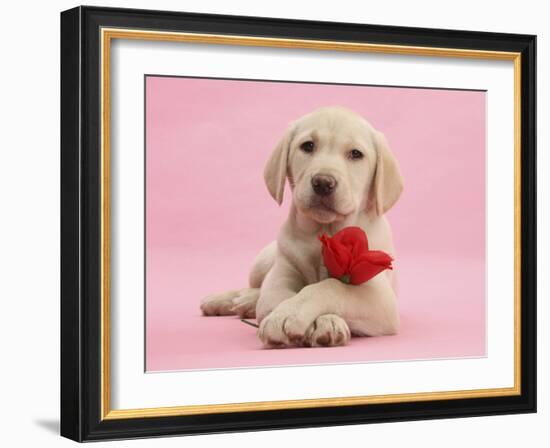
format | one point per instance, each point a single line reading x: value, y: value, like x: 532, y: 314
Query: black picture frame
x: 81, y: 227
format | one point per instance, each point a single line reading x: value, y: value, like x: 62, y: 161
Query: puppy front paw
x: 282, y: 328
x: 328, y: 330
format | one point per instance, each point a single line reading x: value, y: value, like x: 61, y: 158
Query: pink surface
x: 209, y: 213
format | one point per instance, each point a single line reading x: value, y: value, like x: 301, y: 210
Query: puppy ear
x: 387, y: 184
x: 276, y: 169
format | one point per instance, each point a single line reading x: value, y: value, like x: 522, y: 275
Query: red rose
x: 347, y: 256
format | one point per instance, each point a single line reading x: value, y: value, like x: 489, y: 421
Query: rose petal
x: 364, y: 271
x: 354, y: 238
x: 336, y: 257
x: 346, y: 254
x: 375, y: 257
x: 368, y: 265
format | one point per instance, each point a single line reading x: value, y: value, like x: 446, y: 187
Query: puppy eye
x: 355, y: 154
x: 308, y: 146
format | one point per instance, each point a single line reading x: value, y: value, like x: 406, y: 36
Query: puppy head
x: 336, y: 164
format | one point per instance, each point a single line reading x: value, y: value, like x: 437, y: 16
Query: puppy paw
x: 328, y: 330
x: 219, y: 304
x: 244, y: 305
x: 282, y: 328
x: 239, y: 301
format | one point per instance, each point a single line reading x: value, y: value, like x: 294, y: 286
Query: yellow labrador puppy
x: 341, y: 173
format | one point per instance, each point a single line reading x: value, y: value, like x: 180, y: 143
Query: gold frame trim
x: 107, y: 35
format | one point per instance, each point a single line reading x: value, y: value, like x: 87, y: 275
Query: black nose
x: 323, y: 184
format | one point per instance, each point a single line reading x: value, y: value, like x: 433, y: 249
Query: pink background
x: 208, y: 213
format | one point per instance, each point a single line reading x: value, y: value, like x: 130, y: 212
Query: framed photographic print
x: 273, y: 223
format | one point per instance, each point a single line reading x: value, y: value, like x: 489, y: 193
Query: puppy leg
x: 281, y: 283
x: 242, y: 302
x: 244, y: 305
x: 368, y: 309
